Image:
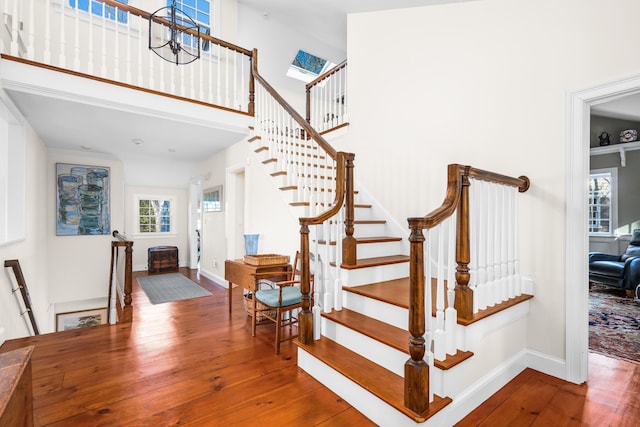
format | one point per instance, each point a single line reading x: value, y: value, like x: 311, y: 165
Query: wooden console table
x: 16, y: 404
x: 242, y: 274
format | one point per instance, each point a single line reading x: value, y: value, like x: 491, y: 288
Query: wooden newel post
x: 127, y: 310
x: 252, y: 83
x: 464, y: 295
x: 305, y: 317
x: 416, y: 370
x: 349, y: 255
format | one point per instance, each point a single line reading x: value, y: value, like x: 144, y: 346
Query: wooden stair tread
x: 372, y: 377
x: 369, y: 221
x: 396, y: 292
x: 387, y: 334
x: 376, y: 261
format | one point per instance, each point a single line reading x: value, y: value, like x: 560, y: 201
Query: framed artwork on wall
x: 82, y: 200
x: 81, y: 319
x: 212, y: 199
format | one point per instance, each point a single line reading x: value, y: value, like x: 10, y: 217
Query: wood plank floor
x: 186, y: 363
x: 611, y: 398
x: 190, y: 363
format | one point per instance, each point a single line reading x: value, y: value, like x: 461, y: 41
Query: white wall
x: 484, y: 83
x: 278, y: 42
x: 79, y: 265
x: 265, y: 213
x: 30, y: 252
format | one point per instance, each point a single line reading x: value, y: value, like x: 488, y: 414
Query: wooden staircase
x: 380, y: 254
x: 364, y: 343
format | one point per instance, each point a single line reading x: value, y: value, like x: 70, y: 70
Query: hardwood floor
x: 185, y: 363
x: 611, y: 398
x: 190, y: 363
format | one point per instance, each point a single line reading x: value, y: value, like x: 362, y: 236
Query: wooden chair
x: 281, y: 302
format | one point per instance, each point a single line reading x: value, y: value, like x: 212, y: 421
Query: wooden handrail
x: 146, y: 15
x: 310, y: 131
x: 24, y: 291
x: 457, y: 198
x: 343, y: 195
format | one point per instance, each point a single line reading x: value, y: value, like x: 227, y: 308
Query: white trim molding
x: 576, y: 236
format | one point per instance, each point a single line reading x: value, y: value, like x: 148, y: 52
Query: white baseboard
x: 546, y: 364
x: 216, y: 278
x: 488, y: 385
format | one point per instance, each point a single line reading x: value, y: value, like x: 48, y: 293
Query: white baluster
x: 226, y: 78
x: 129, y: 59
x: 473, y: 241
x: 76, y: 38
x: 517, y: 284
x: 218, y: 92
x: 451, y: 314
x: 103, y: 46
x: 490, y: 244
x: 31, y: 38
x: 504, y: 282
x: 338, y: 281
x: 140, y: 75
x: 510, y: 242
x: 439, y: 349
x: 63, y: 45
x: 46, y: 57
x: 116, y: 47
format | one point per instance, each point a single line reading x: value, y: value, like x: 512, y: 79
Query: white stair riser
x: 382, y: 311
x: 365, y: 402
x: 379, y: 249
x: 385, y: 356
x: 381, y: 273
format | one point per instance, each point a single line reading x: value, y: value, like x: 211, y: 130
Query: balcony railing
x: 112, y: 43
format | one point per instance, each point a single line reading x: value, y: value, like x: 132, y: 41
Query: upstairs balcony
x: 111, y: 43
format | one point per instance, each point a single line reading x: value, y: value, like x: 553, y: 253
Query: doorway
x: 235, y: 219
x: 576, y: 219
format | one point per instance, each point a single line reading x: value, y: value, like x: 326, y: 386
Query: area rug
x: 614, y: 323
x: 170, y: 287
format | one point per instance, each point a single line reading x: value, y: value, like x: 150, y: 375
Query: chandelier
x: 183, y: 44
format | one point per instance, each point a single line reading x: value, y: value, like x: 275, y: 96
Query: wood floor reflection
x: 190, y: 363
x: 185, y: 363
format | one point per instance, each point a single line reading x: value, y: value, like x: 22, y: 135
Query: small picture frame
x: 81, y: 319
x: 212, y: 199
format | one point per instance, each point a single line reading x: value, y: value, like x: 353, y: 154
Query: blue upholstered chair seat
x: 290, y: 295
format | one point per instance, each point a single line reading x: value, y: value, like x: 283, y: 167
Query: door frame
x: 232, y: 217
x: 576, y: 220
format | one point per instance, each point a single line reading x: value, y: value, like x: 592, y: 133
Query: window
x: 603, y: 201
x: 200, y: 12
x: 307, y: 67
x: 98, y: 8
x: 155, y: 215
x: 212, y: 199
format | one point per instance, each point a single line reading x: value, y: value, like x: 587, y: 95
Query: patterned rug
x: 614, y: 323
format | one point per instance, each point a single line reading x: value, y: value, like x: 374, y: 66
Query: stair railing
x: 327, y: 99
x: 483, y: 226
x: 113, y: 48
x: 315, y: 170
x: 121, y: 280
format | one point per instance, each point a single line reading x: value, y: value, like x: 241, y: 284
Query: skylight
x: 307, y: 67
